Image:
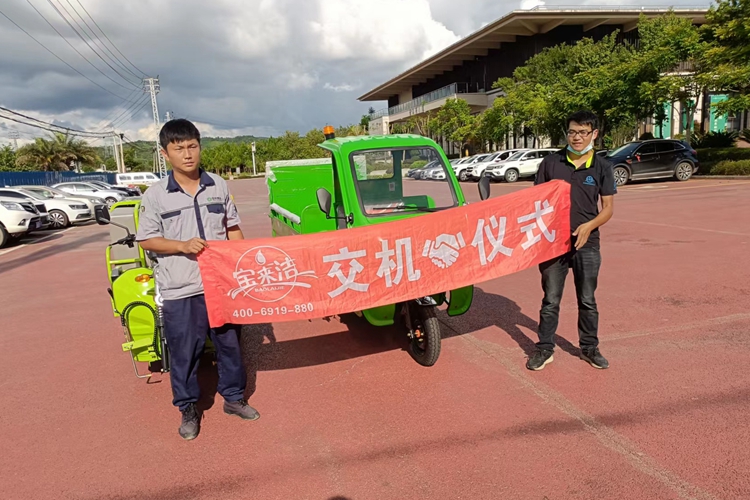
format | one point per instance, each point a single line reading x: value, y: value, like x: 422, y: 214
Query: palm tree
x: 57, y: 153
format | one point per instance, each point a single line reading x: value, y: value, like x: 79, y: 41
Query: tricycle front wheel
x: 424, y: 337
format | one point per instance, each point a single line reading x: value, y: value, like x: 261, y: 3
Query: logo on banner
x: 267, y: 274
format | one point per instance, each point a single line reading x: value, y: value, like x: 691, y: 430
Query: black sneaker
x: 191, y: 422
x: 594, y: 357
x: 539, y: 359
x: 241, y: 409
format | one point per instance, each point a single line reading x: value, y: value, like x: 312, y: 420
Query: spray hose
x: 124, y: 319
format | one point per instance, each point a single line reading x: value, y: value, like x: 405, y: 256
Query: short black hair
x: 583, y: 117
x: 178, y: 130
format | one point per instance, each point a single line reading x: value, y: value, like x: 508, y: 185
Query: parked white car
x: 136, y: 179
x: 463, y: 168
x: 521, y: 164
x: 61, y: 211
x: 52, y: 193
x: 478, y: 168
x: 17, y: 217
x: 109, y: 196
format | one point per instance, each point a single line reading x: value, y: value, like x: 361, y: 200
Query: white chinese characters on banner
x: 355, y: 267
x: 496, y: 242
x: 444, y: 251
x: 404, y: 258
x: 540, y: 210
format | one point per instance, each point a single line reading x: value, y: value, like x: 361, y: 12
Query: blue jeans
x: 185, y: 328
x: 585, y: 264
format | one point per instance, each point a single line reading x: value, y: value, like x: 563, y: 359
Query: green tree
x: 726, y: 59
x: 57, y: 153
x: 7, y: 159
x: 455, y: 122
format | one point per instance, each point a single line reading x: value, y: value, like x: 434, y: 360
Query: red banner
x: 323, y: 274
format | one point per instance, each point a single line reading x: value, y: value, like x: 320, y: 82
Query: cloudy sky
x: 233, y: 66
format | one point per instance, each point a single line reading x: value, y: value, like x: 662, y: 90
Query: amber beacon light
x: 329, y: 132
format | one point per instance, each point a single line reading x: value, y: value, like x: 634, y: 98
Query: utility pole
x: 122, y: 154
x: 15, y: 136
x: 117, y: 154
x: 253, y: 148
x: 169, y: 115
x: 151, y: 85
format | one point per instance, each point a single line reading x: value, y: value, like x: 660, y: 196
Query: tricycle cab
x: 365, y: 180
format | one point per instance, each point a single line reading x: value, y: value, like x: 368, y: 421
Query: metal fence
x: 50, y: 178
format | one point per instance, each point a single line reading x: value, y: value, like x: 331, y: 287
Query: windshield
x: 384, y: 189
x: 32, y: 194
x: 516, y: 156
x: 624, y: 149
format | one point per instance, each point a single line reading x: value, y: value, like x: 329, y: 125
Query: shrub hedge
x: 731, y: 167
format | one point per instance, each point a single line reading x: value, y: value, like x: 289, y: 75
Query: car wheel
x: 684, y: 171
x: 4, y: 237
x: 621, y: 175
x: 58, y: 219
x: 110, y: 201
x: 511, y: 175
x: 462, y: 176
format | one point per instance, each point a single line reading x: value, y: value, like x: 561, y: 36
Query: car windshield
x: 624, y: 149
x: 516, y: 156
x: 384, y: 189
x: 35, y: 195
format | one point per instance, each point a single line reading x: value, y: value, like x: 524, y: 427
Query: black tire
x: 427, y: 350
x: 683, y: 171
x: 58, y: 219
x: 511, y: 175
x: 4, y: 236
x: 621, y: 174
x: 462, y: 175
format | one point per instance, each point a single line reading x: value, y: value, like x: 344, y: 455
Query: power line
x: 84, y: 40
x: 132, y: 115
x: 58, y: 57
x: 117, y: 110
x: 130, y: 108
x: 110, y: 41
x: 44, y: 125
x: 114, y: 58
x: 75, y: 49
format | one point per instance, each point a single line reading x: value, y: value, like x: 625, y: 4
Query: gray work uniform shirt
x: 169, y: 212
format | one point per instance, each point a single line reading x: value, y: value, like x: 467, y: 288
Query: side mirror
x: 102, y: 214
x: 484, y: 187
x: 324, y: 200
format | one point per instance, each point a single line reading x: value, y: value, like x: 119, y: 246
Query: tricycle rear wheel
x: 424, y: 341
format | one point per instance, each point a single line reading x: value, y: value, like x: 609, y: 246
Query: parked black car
x: 653, y: 159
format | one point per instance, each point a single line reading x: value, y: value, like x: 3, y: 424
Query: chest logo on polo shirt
x: 213, y: 199
x: 267, y: 274
x: 589, y: 181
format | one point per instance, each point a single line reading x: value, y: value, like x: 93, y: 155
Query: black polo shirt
x: 587, y: 184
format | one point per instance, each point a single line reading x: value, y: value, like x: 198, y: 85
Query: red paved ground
x: 347, y: 414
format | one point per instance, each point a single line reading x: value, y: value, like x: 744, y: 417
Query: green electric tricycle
x: 371, y: 180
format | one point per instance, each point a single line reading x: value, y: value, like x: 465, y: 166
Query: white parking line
x: 34, y: 241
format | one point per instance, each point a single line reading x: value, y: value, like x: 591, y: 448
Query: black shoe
x: 191, y: 423
x: 539, y: 359
x: 241, y: 409
x: 594, y: 357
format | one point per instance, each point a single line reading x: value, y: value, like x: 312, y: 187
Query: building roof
x: 515, y: 24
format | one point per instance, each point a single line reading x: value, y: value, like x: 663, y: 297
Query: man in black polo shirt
x: 590, y: 177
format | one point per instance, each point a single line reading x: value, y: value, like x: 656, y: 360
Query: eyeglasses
x: 582, y: 133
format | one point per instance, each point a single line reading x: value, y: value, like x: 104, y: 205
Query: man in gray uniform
x: 179, y: 216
